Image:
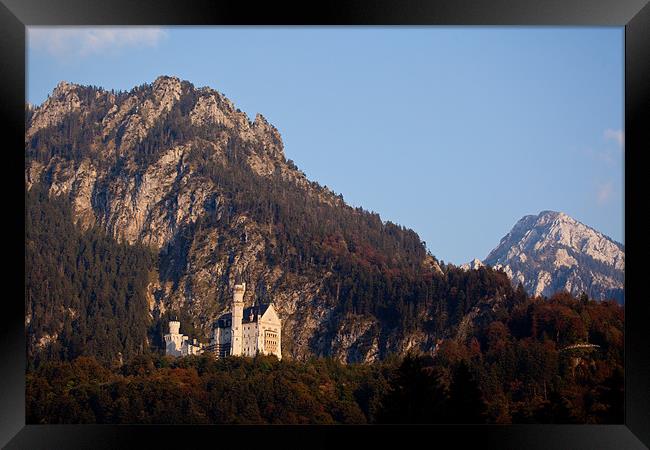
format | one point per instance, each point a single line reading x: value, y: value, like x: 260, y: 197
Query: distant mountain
x: 552, y: 251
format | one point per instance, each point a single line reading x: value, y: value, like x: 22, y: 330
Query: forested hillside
x: 513, y: 370
x: 84, y: 292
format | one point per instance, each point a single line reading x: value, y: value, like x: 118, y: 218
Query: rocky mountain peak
x: 63, y: 100
x: 550, y: 213
x: 167, y: 90
x: 149, y: 131
x: 63, y: 88
x: 261, y: 123
x: 165, y: 80
x: 553, y: 251
x: 269, y: 135
x: 554, y: 217
x: 475, y: 264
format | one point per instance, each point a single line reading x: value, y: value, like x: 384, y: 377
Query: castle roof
x: 250, y: 315
x: 224, y: 321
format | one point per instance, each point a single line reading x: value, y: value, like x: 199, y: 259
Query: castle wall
x: 191, y: 348
x: 250, y: 346
x: 174, y: 344
x: 268, y: 338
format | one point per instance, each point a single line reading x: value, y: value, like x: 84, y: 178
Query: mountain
x: 182, y: 172
x: 552, y: 251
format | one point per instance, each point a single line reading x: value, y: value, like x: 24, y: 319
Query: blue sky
x: 455, y: 132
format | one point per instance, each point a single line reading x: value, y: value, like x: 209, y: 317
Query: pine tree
x: 466, y: 404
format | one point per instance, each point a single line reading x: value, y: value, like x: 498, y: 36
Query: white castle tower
x: 177, y: 344
x: 174, y: 340
x: 237, y: 317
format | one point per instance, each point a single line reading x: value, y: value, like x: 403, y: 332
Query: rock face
x: 165, y: 165
x: 63, y: 101
x: 474, y: 265
x: 552, y: 251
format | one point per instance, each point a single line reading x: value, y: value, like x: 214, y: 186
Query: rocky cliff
x: 552, y: 251
x: 182, y: 170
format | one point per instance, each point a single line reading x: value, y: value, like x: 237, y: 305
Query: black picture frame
x: 15, y: 15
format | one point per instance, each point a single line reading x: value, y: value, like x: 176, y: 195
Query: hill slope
x: 181, y: 170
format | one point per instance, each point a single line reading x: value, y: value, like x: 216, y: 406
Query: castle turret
x: 174, y: 340
x: 237, y: 317
x: 174, y: 327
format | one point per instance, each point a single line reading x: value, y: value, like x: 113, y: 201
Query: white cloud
x: 63, y: 42
x: 604, y: 193
x: 615, y: 135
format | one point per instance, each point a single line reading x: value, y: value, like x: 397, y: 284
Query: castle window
x: 270, y: 341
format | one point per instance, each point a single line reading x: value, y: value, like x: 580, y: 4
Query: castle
x: 241, y: 332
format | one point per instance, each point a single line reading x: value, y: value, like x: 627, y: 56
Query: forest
x: 514, y: 370
x: 82, y: 289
